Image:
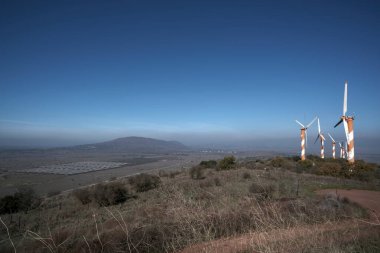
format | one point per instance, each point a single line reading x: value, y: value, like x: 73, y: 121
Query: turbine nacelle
x: 305, y: 127
x: 320, y: 134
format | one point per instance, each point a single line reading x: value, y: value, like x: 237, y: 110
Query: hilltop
x: 137, y: 145
x: 269, y: 203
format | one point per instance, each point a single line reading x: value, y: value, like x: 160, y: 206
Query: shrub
x: 363, y: 171
x: 9, y: 204
x: 83, y: 195
x: 23, y: 200
x: 208, y: 164
x: 173, y: 174
x: 227, y: 163
x: 144, y: 182
x: 295, y: 158
x: 265, y: 191
x: 246, y: 175
x: 278, y: 162
x: 329, y: 169
x: 305, y: 164
x: 110, y: 194
x: 197, y: 172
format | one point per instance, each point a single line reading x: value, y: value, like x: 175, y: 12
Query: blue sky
x: 197, y: 71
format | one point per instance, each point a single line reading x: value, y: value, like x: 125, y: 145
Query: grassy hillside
x: 171, y: 211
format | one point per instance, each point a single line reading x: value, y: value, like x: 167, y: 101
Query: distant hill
x: 137, y: 145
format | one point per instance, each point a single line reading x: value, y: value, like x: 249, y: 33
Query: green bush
x: 278, y: 162
x: 295, y: 158
x: 305, y: 164
x: 227, y: 163
x: 144, y: 182
x: 329, y: 169
x: 23, y: 200
x: 197, y: 172
x: 9, y: 204
x: 208, y: 164
x: 363, y: 171
x: 110, y: 194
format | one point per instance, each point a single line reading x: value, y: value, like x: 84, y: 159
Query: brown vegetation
x: 148, y: 213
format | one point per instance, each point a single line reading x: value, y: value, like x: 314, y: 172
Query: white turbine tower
x: 341, y: 150
x: 333, y: 145
x: 304, y: 137
x: 348, y: 123
x: 343, y: 146
x: 322, y: 139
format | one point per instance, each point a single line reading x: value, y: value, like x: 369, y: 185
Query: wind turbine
x: 333, y: 145
x: 344, y: 149
x: 304, y: 136
x: 322, y: 138
x: 348, y: 123
x: 341, y: 150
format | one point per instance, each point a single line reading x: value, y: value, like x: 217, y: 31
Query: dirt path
x: 366, y: 199
x: 311, y: 235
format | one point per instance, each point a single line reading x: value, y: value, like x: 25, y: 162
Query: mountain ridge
x: 136, y: 144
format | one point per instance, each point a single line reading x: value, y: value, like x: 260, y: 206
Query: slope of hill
x: 137, y: 145
x: 253, y: 206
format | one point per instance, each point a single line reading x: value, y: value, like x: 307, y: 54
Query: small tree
x: 208, y: 164
x: 110, y: 194
x: 227, y: 163
x: 23, y: 200
x: 144, y: 182
x: 329, y: 169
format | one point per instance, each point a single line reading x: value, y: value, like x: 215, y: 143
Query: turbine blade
x: 311, y: 122
x: 316, y: 139
x: 345, y: 99
x: 300, y: 124
x: 337, y: 124
x: 331, y: 137
x: 319, y: 127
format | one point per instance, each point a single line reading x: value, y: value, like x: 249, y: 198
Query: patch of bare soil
x: 367, y: 199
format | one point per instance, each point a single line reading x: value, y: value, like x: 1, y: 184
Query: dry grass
x: 180, y: 212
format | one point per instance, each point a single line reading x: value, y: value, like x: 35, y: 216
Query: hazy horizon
x: 203, y: 73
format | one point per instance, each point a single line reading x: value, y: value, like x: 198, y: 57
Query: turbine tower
x: 322, y: 138
x: 304, y: 137
x: 348, y: 123
x: 333, y: 145
x: 341, y: 150
x: 344, y: 150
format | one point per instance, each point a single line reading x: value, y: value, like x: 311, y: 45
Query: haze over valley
x: 189, y: 126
